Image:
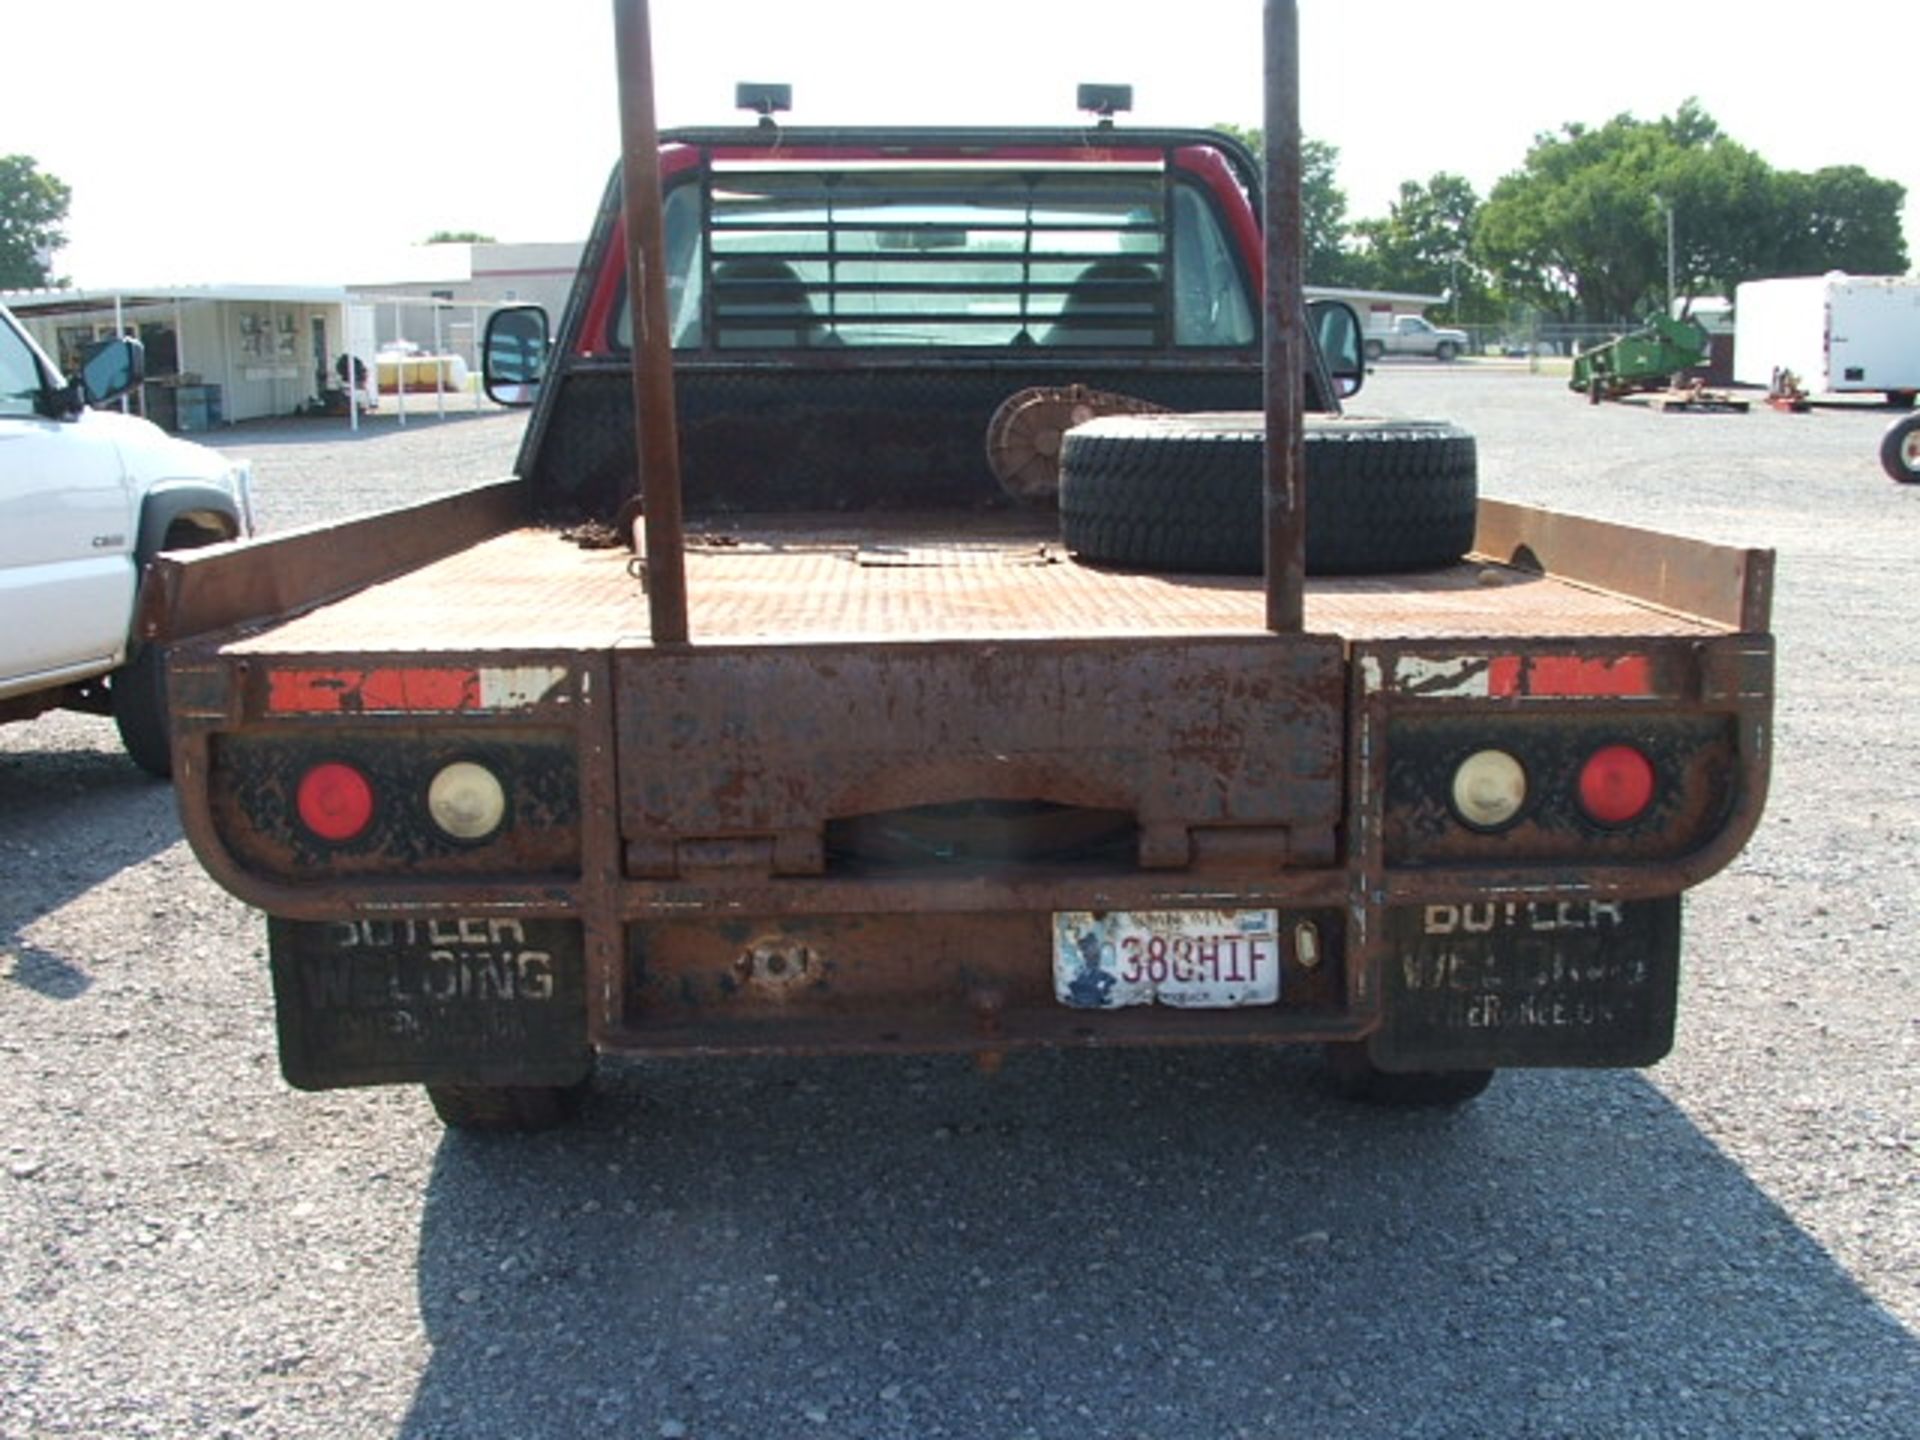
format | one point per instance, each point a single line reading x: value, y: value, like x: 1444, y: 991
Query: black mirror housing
x: 514, y: 358
x: 1336, y: 326
x: 109, y: 369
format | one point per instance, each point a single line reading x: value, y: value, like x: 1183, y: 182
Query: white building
x: 1376, y: 308
x: 486, y: 274
x: 214, y: 352
x: 220, y: 353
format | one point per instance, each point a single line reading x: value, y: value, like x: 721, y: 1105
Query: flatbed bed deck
x: 804, y: 580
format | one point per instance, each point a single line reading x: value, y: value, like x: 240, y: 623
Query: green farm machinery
x: 1643, y: 359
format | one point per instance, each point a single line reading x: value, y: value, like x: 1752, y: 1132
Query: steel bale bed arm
x: 218, y: 588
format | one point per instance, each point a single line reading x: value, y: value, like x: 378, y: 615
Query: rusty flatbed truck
x: 894, y: 770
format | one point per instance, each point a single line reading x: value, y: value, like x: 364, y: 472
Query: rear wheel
x: 138, y: 692
x: 1186, y: 493
x: 1356, y: 1077
x: 138, y: 689
x: 1900, y: 450
x: 508, y: 1109
x: 1374, y: 349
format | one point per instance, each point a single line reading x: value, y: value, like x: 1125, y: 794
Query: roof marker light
x: 763, y: 100
x: 1105, y: 101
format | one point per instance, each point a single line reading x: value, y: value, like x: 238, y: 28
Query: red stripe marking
x: 1570, y: 675
x: 339, y: 692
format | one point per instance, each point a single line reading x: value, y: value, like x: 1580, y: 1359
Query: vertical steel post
x: 1284, y: 317
x: 441, y: 370
x: 351, y: 380
x: 656, y: 440
x: 119, y: 333
x: 399, y: 365
x: 1669, y: 261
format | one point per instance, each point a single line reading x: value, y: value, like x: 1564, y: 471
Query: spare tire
x: 1184, y: 493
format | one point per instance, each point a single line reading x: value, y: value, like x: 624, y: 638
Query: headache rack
x: 886, y: 253
x: 1285, y: 344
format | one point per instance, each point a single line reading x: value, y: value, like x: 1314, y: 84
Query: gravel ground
x: 1184, y: 1245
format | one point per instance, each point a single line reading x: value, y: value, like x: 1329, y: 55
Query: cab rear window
x: 884, y: 254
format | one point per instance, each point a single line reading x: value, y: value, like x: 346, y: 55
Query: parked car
x: 87, y: 498
x: 1414, y: 335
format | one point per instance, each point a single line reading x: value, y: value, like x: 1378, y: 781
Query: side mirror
x: 1337, y: 329
x: 515, y: 355
x: 109, y: 369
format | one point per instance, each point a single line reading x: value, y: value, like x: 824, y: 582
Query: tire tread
x: 507, y: 1109
x: 1381, y: 497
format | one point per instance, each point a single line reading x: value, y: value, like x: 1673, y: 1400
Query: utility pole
x: 1667, y: 210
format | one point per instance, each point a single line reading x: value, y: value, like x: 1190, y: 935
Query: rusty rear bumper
x: 702, y: 906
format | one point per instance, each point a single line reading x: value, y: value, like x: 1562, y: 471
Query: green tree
x: 459, y: 237
x: 1839, y: 218
x: 1581, y: 229
x: 1724, y: 218
x: 1323, y: 206
x: 1424, y: 244
x: 33, y: 207
x: 1575, y: 232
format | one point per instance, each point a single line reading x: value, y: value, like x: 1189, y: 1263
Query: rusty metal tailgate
x: 764, y: 745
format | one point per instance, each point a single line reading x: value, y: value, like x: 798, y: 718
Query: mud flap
x: 469, y: 1000
x: 1529, y: 983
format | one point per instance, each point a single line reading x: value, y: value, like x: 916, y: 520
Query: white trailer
x: 1836, y: 333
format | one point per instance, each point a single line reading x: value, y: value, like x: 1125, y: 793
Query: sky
x: 211, y: 141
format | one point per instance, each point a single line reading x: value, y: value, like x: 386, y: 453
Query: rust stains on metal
x: 1023, y: 438
x: 656, y: 440
x: 1284, y: 327
x: 195, y: 592
x: 1177, y: 734
x: 777, y: 965
x: 981, y: 578
x: 855, y: 982
x: 1721, y: 584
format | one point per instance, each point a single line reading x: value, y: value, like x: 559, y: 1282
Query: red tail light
x: 335, y: 801
x: 1616, y: 785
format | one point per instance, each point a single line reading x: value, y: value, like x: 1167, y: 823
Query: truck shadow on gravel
x: 69, y: 820
x: 1187, y: 1244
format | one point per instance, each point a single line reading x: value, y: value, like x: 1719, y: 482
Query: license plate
x: 1196, y: 959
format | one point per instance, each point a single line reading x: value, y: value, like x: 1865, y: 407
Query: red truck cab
x: 906, y: 283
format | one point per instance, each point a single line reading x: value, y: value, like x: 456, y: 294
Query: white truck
x: 87, y: 498
x: 1833, y: 334
x: 1413, y: 335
